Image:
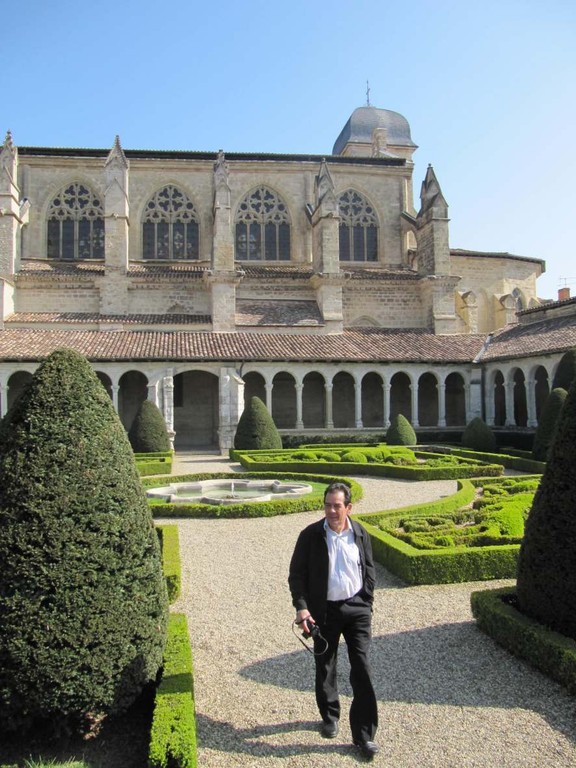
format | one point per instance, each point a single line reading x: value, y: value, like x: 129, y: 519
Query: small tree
x: 546, y: 586
x: 400, y: 431
x: 148, y: 433
x: 256, y: 428
x: 478, y: 436
x: 566, y: 371
x: 548, y: 422
x: 83, y: 603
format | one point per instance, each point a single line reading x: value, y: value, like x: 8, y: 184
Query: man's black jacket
x: 308, y: 577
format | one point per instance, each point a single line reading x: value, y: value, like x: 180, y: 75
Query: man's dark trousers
x: 351, y: 618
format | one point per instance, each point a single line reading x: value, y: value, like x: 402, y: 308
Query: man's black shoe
x: 329, y: 729
x: 368, y: 748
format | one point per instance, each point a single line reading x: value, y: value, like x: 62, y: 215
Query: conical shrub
x: 83, y: 603
x: 148, y: 433
x: 566, y: 371
x: 548, y: 422
x: 546, y: 586
x: 478, y: 436
x: 400, y: 431
x: 256, y: 429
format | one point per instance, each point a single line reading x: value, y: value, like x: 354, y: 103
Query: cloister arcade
x: 202, y: 404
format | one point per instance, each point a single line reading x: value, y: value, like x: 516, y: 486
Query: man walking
x: 332, y: 585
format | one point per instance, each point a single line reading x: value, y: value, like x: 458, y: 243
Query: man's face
x: 336, y: 510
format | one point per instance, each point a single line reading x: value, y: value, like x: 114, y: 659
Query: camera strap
x: 309, y: 648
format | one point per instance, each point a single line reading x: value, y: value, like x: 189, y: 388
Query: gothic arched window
x: 262, y: 227
x: 170, y: 227
x: 358, y: 228
x: 76, y: 224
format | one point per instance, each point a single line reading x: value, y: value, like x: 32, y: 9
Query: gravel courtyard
x: 448, y: 696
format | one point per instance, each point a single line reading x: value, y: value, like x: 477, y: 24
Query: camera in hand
x: 313, y: 631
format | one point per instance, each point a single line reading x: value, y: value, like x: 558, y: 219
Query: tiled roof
x: 378, y: 345
x: 44, y: 267
x: 281, y: 312
x: 358, y: 345
x: 547, y: 336
x: 83, y: 318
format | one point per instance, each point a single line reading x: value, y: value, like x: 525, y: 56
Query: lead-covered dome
x: 364, y: 120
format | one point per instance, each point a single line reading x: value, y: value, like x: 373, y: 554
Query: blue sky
x: 488, y: 89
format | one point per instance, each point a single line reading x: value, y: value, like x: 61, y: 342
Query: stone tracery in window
x: 170, y: 227
x: 76, y: 224
x: 358, y: 228
x: 262, y: 227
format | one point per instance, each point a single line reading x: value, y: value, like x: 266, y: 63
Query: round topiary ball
x: 479, y: 437
x: 400, y: 432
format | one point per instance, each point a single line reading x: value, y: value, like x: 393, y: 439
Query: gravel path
x: 448, y: 696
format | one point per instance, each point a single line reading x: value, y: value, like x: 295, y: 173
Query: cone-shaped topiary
x: 566, y: 371
x: 546, y: 586
x: 479, y: 437
x: 83, y: 603
x: 548, y: 422
x: 400, y: 431
x: 148, y: 433
x: 256, y: 428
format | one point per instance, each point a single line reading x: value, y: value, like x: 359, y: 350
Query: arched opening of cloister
x: 17, y: 383
x: 106, y: 382
x: 133, y: 391
x: 400, y: 396
x: 499, y: 400
x: 343, y: 401
x: 455, y: 400
x: 520, y: 402
x: 428, y: 400
x: 196, y: 410
x: 541, y: 389
x: 372, y: 401
x: 284, y: 400
x: 254, y: 386
x: 314, y: 401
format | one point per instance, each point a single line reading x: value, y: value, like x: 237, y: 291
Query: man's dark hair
x: 334, y: 487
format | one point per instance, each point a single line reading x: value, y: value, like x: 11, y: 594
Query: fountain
x: 228, y: 491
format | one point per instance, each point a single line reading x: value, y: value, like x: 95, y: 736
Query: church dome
x: 363, y: 121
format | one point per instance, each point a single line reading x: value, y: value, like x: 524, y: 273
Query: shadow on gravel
x: 222, y: 736
x: 449, y: 664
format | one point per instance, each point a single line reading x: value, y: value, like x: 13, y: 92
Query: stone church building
x: 198, y: 279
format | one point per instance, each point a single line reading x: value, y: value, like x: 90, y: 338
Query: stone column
x: 386, y: 414
x: 299, y: 422
x: 358, y: 404
x: 168, y: 392
x: 509, y: 388
x: 329, y: 419
x: 3, y: 397
x: 269, y: 387
x: 414, y: 393
x: 489, y: 405
x: 115, y: 393
x: 13, y: 211
x: 441, y: 404
x: 531, y: 402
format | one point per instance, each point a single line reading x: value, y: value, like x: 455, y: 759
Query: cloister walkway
x: 448, y: 696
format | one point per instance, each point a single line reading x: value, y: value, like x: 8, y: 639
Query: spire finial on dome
x: 368, y: 93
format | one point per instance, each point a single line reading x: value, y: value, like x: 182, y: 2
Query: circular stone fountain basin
x: 228, y: 491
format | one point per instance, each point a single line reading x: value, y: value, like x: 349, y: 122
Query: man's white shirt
x: 345, y: 569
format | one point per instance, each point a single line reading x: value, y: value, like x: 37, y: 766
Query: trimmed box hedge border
x: 171, y: 559
x: 438, y: 566
x: 550, y: 652
x: 173, y: 731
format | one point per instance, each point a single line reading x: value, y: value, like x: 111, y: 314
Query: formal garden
x: 95, y: 670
